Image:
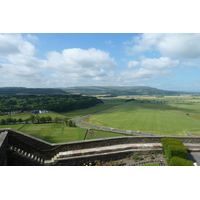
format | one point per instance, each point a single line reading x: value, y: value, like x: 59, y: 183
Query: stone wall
x: 45, y: 150
x: 3, y: 148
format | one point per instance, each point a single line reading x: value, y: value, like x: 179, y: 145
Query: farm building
x: 43, y: 111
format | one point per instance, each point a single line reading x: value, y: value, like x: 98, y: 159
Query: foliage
x: 176, y: 151
x: 177, y: 161
x: 170, y: 141
x: 55, y: 102
x: 22, y: 90
x: 173, y: 148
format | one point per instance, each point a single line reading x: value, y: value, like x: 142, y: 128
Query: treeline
x: 57, y: 102
x: 9, y: 91
x: 37, y: 119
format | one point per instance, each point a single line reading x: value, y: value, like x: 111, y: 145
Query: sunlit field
x: 175, y: 117
x: 50, y: 132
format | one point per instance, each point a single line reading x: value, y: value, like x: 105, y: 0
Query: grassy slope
x: 52, y: 132
x: 72, y: 114
x: 155, y: 118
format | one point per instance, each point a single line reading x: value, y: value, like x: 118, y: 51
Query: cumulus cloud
x: 80, y: 58
x: 170, y: 45
x: 161, y: 63
x: 15, y: 43
x: 149, y: 68
x: 133, y: 63
x: 19, y: 64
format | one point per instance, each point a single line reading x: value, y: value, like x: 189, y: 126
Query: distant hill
x: 29, y: 91
x: 135, y: 90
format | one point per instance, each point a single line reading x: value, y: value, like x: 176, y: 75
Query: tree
x: 32, y: 118
x: 56, y: 119
x: 37, y: 118
x: 20, y: 120
x: 3, y: 121
x: 43, y: 119
x: 48, y: 118
x: 8, y: 120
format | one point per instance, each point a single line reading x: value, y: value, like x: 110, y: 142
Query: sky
x: 168, y: 61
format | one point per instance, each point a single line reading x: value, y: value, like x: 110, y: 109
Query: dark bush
x: 176, y: 151
x: 176, y: 161
x: 173, y: 148
x: 170, y: 141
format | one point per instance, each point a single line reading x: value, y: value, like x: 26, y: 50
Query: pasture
x: 71, y: 114
x: 170, y: 118
x: 58, y: 133
x: 50, y: 132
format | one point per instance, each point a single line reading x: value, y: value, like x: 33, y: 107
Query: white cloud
x: 133, y: 63
x: 149, y: 68
x: 15, y: 43
x: 31, y: 38
x: 161, y: 63
x: 19, y: 66
x: 192, y: 63
x: 171, y: 45
x: 79, y: 58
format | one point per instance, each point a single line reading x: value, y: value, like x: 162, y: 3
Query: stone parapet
x: 3, y: 147
x: 31, y: 148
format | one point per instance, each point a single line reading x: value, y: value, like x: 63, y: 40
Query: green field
x: 50, y: 132
x: 177, y: 116
x: 162, y: 118
x: 72, y: 114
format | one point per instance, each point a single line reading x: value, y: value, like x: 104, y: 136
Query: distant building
x: 43, y: 111
x: 34, y: 111
x: 15, y: 112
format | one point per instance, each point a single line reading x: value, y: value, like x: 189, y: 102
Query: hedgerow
x: 176, y: 161
x: 174, y: 148
x: 176, y: 151
x: 170, y: 141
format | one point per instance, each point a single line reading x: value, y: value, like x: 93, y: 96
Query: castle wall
x: 3, y: 148
x: 42, y: 150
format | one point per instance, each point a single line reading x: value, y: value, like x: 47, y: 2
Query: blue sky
x: 165, y: 61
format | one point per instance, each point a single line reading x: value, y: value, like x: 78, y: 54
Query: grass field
x: 73, y: 114
x: 50, y: 132
x: 176, y: 117
x: 57, y: 133
x: 161, y: 118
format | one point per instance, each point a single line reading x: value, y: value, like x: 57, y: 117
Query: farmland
x: 177, y: 116
x: 55, y: 132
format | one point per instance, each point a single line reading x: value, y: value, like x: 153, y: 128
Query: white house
x: 43, y: 111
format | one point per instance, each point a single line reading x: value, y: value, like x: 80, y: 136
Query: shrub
x: 135, y: 157
x: 177, y: 151
x: 173, y: 147
x: 176, y: 161
x: 170, y: 141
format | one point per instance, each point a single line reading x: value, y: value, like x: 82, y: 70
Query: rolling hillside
x: 29, y: 91
x: 136, y: 90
